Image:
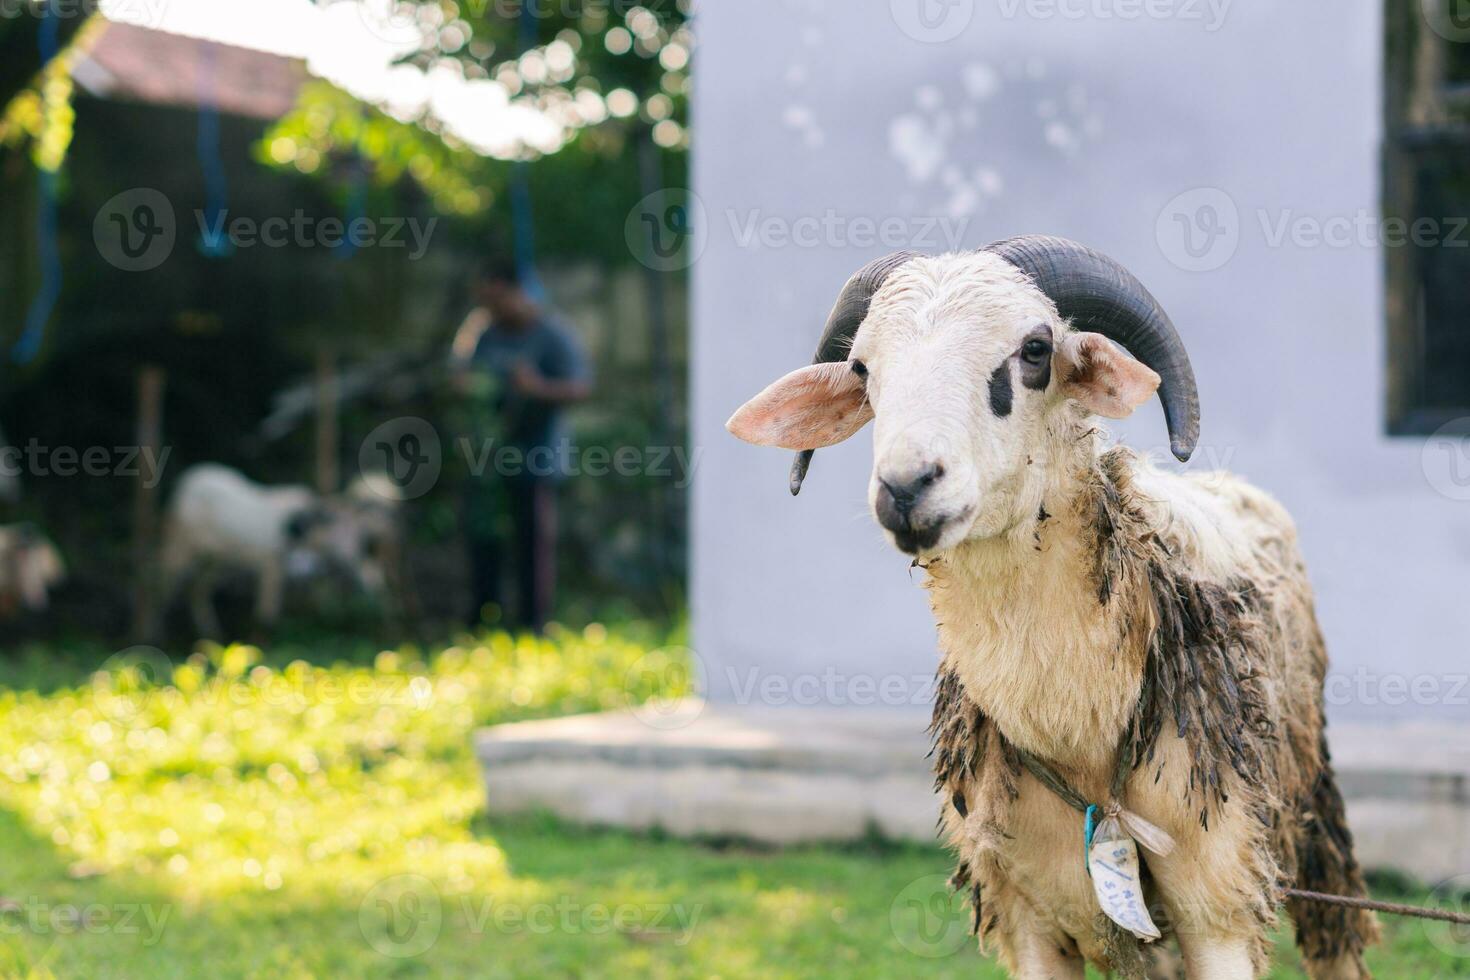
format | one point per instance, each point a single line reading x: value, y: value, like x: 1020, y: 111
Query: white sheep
x: 219, y: 521
x: 30, y: 567
x: 377, y: 505
x: 1102, y: 623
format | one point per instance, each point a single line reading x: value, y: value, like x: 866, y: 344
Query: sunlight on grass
x: 249, y: 815
x: 221, y: 778
x: 188, y: 778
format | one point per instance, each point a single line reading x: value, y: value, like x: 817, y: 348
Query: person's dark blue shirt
x: 535, y: 427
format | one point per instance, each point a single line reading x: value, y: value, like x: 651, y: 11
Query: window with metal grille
x: 1426, y: 204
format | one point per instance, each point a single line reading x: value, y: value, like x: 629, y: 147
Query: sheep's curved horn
x: 1099, y: 295
x: 847, y: 315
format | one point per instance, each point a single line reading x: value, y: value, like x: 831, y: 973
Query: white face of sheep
x: 349, y: 538
x: 967, y: 370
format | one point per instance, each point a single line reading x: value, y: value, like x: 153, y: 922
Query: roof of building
x: 130, y: 63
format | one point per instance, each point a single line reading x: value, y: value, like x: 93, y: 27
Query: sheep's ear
x: 1103, y: 378
x: 812, y: 408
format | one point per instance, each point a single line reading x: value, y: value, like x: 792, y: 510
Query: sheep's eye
x: 860, y: 369
x: 1035, y: 351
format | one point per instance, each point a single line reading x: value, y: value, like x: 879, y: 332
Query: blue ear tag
x: 1088, y: 828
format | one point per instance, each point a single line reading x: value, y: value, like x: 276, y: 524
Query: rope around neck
x: 1055, y: 782
x: 1058, y: 784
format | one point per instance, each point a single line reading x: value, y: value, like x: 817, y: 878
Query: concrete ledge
x: 793, y: 775
x: 703, y: 770
x: 857, y: 743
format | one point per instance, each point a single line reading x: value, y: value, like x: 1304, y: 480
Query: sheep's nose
x: 906, y: 490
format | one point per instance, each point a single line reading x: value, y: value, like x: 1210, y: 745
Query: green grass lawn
x: 240, y: 816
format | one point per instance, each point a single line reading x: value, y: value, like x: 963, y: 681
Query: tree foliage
x: 20, y: 46
x: 36, y: 95
x: 607, y: 73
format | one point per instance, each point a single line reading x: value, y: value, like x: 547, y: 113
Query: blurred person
x: 519, y: 367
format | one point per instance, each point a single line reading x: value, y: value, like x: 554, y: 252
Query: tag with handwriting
x: 1115, y: 879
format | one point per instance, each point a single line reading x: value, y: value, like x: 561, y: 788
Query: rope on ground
x: 1388, y: 908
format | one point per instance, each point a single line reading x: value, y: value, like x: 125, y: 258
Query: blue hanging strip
x: 523, y: 215
x: 528, y: 27
x: 44, y: 303
x: 525, y: 232
x: 356, y: 207
x: 213, y: 239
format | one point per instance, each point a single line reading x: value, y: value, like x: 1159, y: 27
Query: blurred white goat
x: 219, y: 521
x: 30, y: 567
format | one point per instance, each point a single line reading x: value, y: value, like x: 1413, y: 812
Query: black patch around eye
x: 860, y: 369
x: 1001, y: 393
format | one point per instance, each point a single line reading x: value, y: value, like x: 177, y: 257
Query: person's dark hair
x: 499, y: 270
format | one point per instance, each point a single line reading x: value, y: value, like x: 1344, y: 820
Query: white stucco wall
x: 1087, y: 127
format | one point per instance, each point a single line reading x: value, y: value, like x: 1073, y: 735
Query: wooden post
x: 328, y: 425
x: 145, y: 500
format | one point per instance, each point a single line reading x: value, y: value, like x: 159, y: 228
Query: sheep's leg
x: 1164, y: 963
x: 1217, y: 958
x: 1208, y: 887
x: 268, y: 594
x: 1331, y: 938
x: 170, y: 582
x: 1349, y: 966
x: 1217, y: 941
x: 174, y: 563
x: 1039, y: 957
x: 392, y: 599
x: 201, y: 605
x: 405, y: 593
